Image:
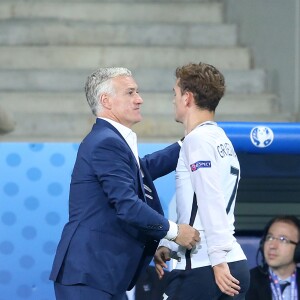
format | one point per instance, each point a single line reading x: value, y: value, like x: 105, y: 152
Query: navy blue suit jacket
x: 113, y: 231
x: 260, y: 288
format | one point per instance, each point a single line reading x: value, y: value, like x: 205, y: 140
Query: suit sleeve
x: 162, y: 162
x: 259, y: 288
x: 117, y: 174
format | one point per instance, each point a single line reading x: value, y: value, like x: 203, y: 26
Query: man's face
x: 279, y: 255
x: 125, y: 101
x: 178, y: 102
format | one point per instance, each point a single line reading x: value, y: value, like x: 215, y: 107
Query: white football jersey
x: 208, y: 169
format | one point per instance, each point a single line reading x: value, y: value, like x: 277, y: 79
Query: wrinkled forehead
x: 124, y: 82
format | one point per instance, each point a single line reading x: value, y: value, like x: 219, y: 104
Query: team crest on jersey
x: 261, y: 136
x: 200, y: 164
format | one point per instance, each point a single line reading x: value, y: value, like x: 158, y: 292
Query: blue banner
x: 259, y: 137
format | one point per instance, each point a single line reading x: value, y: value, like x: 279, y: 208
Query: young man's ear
x: 189, y: 98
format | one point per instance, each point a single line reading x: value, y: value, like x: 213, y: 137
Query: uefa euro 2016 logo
x: 261, y: 136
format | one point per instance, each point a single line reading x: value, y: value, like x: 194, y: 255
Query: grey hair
x: 99, y: 82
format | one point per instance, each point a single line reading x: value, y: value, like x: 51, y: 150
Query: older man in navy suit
x: 115, y: 217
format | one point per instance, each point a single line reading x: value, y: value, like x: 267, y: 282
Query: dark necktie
x: 283, y: 285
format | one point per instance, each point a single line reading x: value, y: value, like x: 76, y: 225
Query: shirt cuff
x: 217, y: 257
x: 173, y: 231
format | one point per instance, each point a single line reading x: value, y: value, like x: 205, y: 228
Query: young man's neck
x: 198, y: 117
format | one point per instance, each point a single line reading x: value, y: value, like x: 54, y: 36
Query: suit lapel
x: 298, y: 279
x: 153, y: 203
x: 101, y: 122
x: 266, y: 292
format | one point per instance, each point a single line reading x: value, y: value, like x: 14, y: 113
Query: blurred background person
x: 7, y: 123
x: 278, y: 275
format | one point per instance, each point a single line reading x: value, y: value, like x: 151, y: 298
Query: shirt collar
x: 288, y: 279
x: 124, y: 131
x: 129, y: 136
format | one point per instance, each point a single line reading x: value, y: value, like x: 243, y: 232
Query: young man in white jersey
x: 207, y: 177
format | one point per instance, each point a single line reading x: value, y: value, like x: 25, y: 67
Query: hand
x: 225, y: 281
x: 187, y: 236
x: 162, y: 255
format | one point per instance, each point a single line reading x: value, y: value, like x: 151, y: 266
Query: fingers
x: 230, y: 288
x: 159, y: 271
x: 197, y: 236
x: 158, y: 259
x: 166, y: 255
x: 187, y: 236
x: 162, y: 255
x: 191, y: 245
x: 234, y: 280
x: 225, y: 281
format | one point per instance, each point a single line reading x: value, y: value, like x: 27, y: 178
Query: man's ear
x: 105, y: 101
x: 188, y: 98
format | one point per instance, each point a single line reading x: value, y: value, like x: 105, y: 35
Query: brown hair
x: 205, y: 82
